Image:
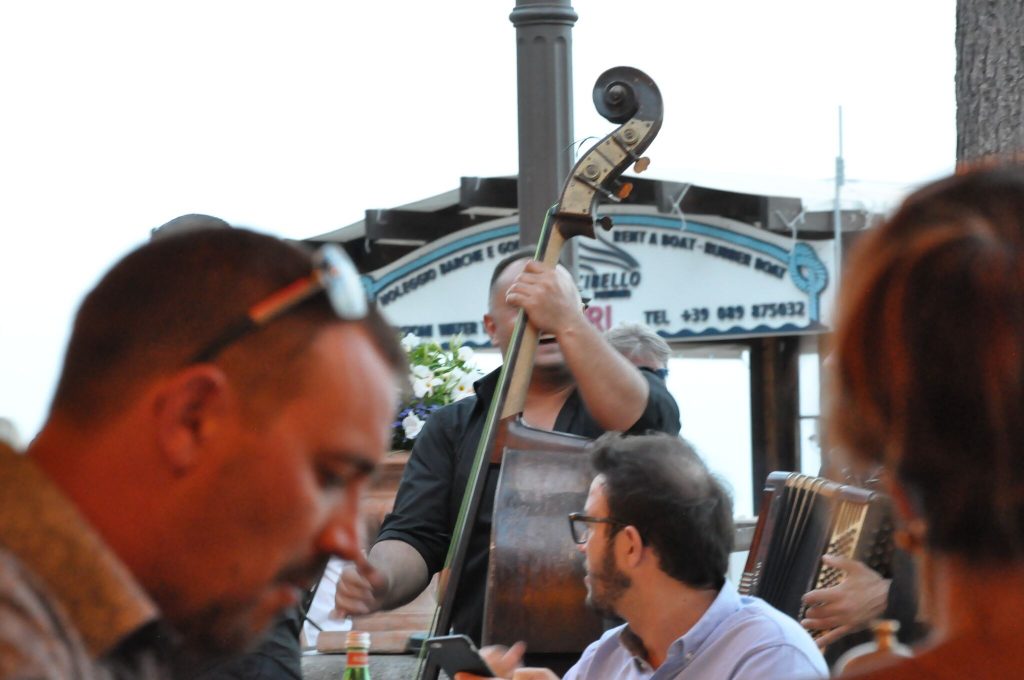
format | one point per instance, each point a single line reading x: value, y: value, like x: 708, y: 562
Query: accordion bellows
x: 803, y: 518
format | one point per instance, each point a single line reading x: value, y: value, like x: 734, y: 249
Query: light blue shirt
x: 738, y: 638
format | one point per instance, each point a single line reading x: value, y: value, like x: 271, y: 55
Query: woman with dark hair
x: 929, y: 378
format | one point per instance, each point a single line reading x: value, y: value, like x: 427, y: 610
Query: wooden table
x: 382, y: 666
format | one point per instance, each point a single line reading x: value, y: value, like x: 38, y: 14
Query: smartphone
x: 457, y: 654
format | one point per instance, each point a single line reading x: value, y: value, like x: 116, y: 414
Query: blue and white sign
x: 707, y: 277
x: 440, y: 290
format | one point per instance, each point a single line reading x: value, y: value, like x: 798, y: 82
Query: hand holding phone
x: 457, y: 654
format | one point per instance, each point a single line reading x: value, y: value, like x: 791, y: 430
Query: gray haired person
x: 641, y: 345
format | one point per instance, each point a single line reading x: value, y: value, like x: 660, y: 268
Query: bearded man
x: 656, y: 533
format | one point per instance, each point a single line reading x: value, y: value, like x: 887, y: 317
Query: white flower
x: 420, y: 387
x: 424, y: 386
x: 438, y: 377
x: 412, y: 424
x: 464, y: 388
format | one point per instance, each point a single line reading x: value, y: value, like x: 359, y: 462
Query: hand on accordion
x: 848, y: 606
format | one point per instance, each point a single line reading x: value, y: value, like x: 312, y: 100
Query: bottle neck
x: 357, y: 657
x: 885, y: 635
x: 885, y: 641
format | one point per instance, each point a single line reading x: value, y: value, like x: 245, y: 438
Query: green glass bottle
x: 357, y: 658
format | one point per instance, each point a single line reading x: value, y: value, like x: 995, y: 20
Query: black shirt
x: 277, y: 657
x: 435, y: 478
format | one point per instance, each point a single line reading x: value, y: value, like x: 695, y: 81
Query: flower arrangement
x: 438, y: 377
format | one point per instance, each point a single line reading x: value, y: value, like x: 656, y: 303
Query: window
x: 711, y: 384
x: 810, y: 406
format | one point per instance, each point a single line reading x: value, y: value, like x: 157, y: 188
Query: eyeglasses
x: 579, y: 525
x: 333, y: 273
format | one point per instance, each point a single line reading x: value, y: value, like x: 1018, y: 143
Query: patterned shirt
x: 738, y: 638
x: 69, y: 608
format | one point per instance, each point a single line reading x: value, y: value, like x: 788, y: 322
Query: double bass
x: 535, y: 586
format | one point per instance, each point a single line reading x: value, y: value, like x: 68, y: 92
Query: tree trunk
x: 989, y: 78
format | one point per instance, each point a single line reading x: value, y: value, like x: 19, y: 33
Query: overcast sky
x: 295, y: 117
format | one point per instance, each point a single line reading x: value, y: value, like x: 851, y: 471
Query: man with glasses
x: 223, y: 399
x: 579, y: 385
x: 656, y: 533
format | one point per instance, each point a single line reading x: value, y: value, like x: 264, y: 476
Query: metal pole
x: 544, y: 66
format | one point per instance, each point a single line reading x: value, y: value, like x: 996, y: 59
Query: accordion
x: 803, y: 518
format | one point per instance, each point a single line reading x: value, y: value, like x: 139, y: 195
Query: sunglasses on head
x: 333, y: 274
